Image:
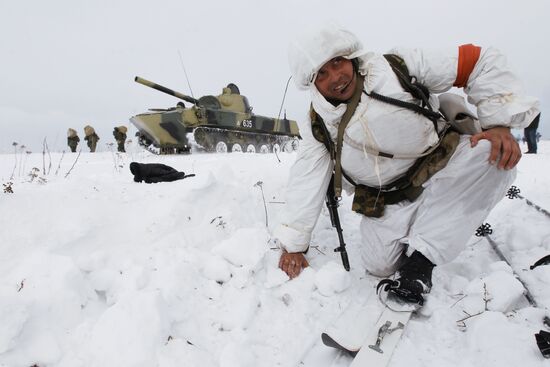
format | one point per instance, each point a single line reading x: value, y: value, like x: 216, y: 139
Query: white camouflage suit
x: 455, y: 200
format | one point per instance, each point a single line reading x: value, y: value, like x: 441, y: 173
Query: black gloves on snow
x: 155, y: 172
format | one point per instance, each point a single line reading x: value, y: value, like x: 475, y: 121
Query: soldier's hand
x: 503, y: 143
x: 292, y: 263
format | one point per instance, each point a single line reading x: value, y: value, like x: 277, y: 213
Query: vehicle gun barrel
x: 165, y: 90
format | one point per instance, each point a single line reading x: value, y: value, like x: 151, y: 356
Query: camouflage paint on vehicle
x: 221, y: 123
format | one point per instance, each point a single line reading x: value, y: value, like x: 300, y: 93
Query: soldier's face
x: 336, y: 79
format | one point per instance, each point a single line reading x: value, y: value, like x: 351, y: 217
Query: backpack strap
x: 408, y: 82
x: 411, y: 85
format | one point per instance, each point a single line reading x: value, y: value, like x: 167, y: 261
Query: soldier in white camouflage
x: 91, y: 137
x: 383, y: 131
x: 72, y: 139
x: 119, y: 133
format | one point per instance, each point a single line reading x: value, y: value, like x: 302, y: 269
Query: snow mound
x: 498, y: 291
x: 245, y: 248
x: 275, y: 277
x: 332, y: 278
x: 217, y: 269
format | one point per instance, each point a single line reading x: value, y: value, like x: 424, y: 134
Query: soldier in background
x: 530, y: 135
x: 91, y: 137
x: 72, y: 139
x: 120, y: 136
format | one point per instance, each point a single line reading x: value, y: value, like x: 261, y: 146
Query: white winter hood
x: 311, y: 50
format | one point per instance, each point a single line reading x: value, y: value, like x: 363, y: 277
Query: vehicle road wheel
x: 250, y: 148
x: 295, y: 144
x: 287, y: 147
x: 276, y: 148
x: 263, y: 148
x: 236, y: 148
x: 221, y: 147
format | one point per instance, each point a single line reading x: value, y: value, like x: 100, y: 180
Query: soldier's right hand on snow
x: 292, y: 263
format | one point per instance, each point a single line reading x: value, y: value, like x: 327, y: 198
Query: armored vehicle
x: 223, y: 123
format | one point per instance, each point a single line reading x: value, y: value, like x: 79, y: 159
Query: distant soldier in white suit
x: 72, y: 139
x: 91, y: 138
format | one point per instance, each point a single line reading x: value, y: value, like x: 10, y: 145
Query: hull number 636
x: 247, y: 123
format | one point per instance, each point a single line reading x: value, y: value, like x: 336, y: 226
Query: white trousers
x: 454, y: 203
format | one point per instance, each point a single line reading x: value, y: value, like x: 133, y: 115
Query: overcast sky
x: 68, y: 63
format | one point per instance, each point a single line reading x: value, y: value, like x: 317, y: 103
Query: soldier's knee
x: 383, y: 261
x: 380, y: 267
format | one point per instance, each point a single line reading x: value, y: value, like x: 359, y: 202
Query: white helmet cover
x: 310, y: 51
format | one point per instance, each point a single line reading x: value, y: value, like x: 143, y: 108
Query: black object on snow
x: 543, y: 342
x: 513, y: 192
x: 484, y: 230
x: 544, y: 261
x: 155, y: 172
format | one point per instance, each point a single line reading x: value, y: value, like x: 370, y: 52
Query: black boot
x: 413, y: 279
x: 543, y: 342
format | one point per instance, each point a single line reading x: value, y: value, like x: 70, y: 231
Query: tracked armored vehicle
x: 223, y: 123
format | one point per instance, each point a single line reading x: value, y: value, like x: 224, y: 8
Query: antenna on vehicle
x: 283, y: 101
x: 185, y: 72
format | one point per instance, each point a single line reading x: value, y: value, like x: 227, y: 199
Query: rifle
x: 332, y: 206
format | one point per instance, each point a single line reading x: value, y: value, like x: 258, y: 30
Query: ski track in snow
x: 96, y: 270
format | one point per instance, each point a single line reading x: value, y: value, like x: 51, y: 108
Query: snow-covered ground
x: 97, y: 270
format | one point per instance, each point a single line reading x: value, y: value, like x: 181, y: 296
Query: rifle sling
x: 350, y: 110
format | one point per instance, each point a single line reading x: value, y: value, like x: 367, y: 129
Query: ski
x: 368, y: 330
x: 383, y: 339
x: 349, y: 330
